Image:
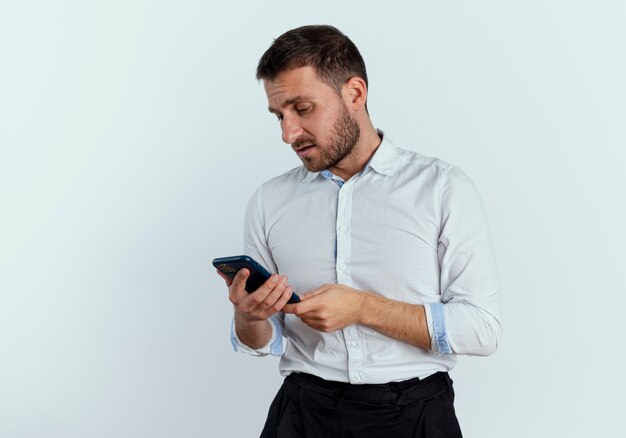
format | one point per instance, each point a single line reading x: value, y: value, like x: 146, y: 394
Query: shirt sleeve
x: 467, y: 321
x: 273, y: 347
x: 255, y: 245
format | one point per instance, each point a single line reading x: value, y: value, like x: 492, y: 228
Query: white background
x: 133, y: 132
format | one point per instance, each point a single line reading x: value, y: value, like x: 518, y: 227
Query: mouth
x: 304, y: 151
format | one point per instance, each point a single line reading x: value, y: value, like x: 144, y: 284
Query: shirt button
x: 356, y: 377
x: 342, y: 266
x: 341, y: 228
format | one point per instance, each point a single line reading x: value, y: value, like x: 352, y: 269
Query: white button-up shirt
x: 407, y: 227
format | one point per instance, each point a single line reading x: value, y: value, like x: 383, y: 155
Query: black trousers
x: 309, y: 407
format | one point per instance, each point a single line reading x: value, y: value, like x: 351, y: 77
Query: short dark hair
x: 333, y: 56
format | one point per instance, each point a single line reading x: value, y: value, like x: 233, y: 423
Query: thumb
x: 240, y: 278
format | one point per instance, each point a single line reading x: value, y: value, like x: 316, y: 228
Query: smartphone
x: 258, y: 274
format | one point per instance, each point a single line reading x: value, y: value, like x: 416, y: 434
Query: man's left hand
x: 330, y: 307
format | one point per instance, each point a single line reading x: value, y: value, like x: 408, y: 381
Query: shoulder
x: 413, y: 163
x: 277, y: 188
x: 284, y: 184
x: 290, y: 178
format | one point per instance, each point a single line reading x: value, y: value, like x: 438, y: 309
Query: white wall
x: 133, y: 132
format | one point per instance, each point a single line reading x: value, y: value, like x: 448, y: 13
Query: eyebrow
x: 296, y: 99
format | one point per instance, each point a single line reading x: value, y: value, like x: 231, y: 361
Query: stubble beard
x: 343, y: 139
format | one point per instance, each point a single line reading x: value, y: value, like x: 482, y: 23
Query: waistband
x: 413, y: 388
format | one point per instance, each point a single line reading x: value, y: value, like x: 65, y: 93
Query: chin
x: 312, y: 166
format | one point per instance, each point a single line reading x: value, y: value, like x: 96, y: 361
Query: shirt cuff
x: 436, y: 321
x: 273, y: 347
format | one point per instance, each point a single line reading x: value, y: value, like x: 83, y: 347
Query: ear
x: 355, y: 92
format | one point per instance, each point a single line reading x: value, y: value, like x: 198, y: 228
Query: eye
x: 279, y: 117
x: 303, y: 109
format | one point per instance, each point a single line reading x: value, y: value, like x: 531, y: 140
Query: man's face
x: 313, y: 118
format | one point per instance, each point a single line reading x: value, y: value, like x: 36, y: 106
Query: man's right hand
x: 259, y: 305
x: 253, y: 309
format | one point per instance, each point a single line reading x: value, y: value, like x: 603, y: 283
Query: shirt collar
x: 383, y: 161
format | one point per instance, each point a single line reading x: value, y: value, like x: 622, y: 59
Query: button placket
x: 344, y: 217
x: 342, y: 266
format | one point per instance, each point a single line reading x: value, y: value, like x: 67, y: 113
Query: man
x: 392, y: 247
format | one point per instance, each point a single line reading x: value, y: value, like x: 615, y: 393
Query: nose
x: 291, y: 129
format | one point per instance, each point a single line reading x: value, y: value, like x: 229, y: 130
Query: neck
x: 355, y: 162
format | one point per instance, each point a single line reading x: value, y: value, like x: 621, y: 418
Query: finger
x: 302, y: 307
x: 313, y: 293
x: 281, y: 301
x: 290, y: 308
x: 316, y: 324
x: 275, y: 293
x: 256, y: 298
